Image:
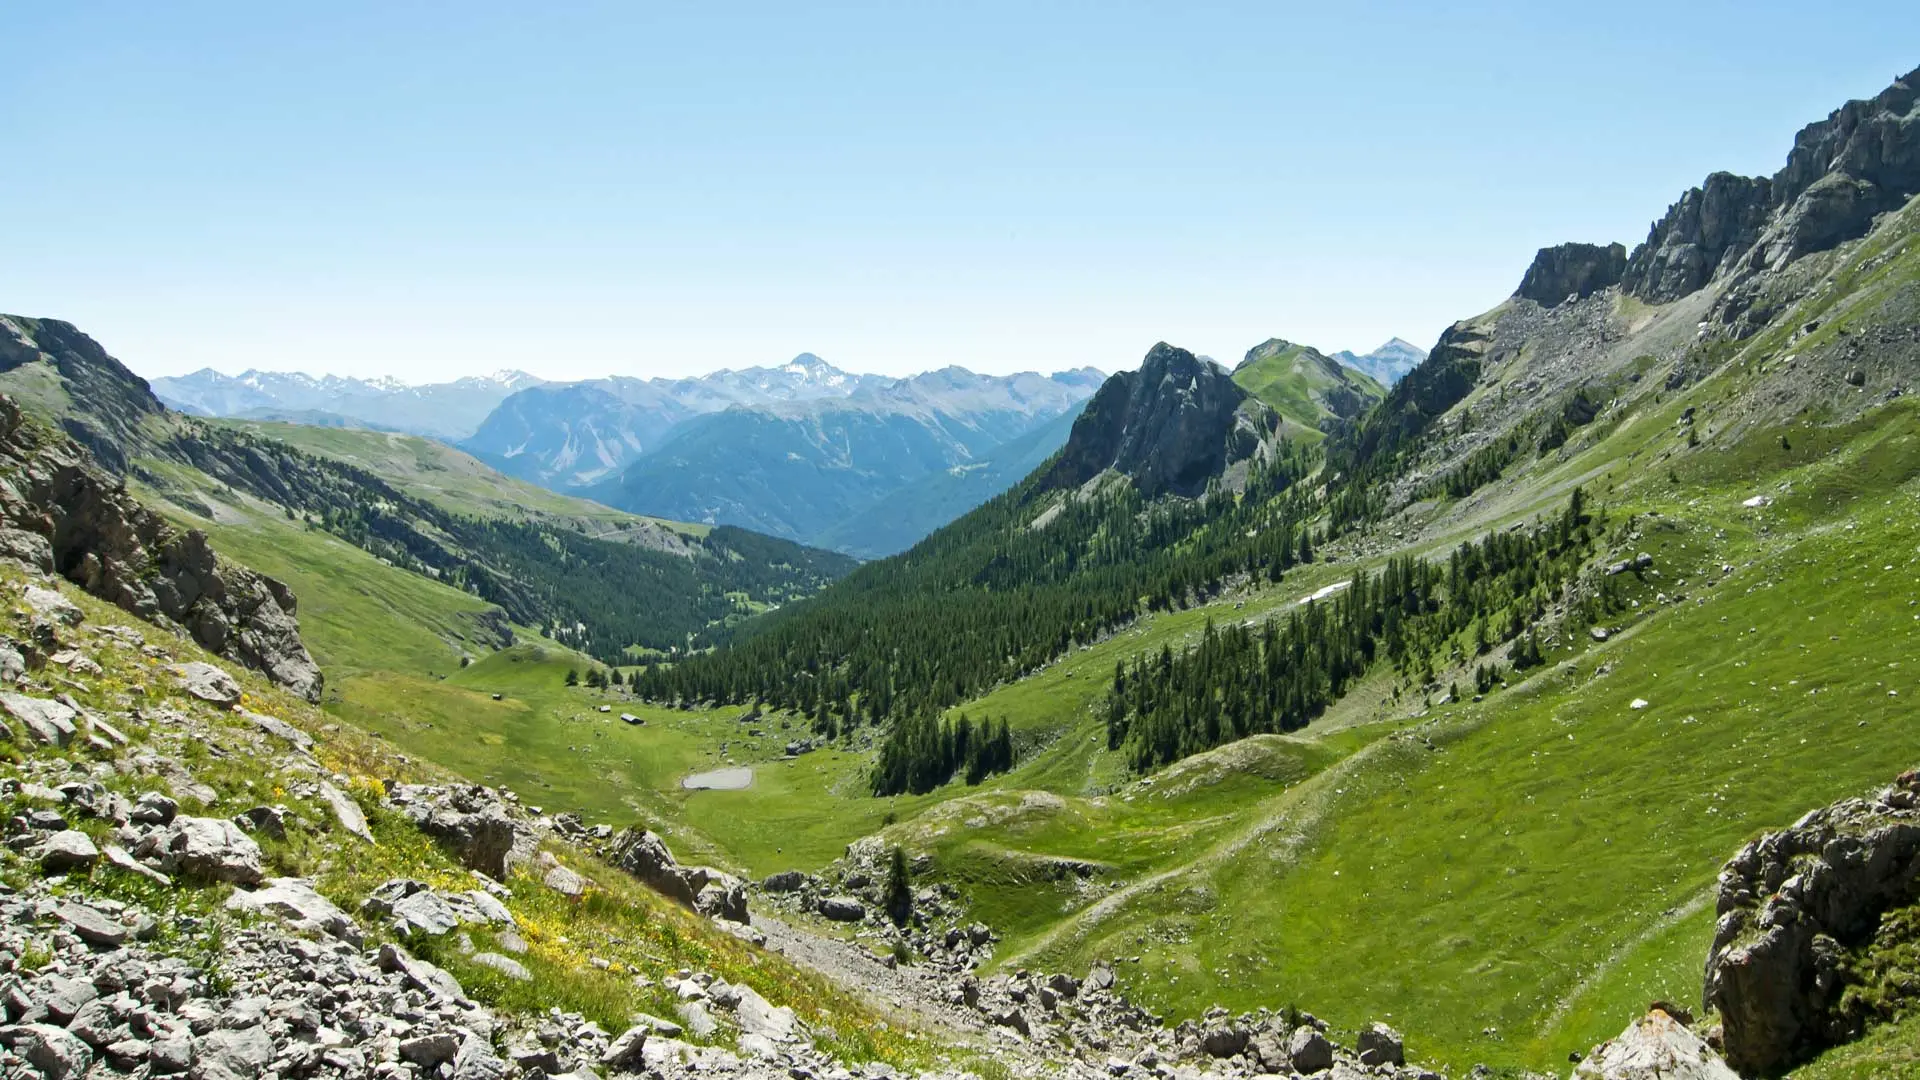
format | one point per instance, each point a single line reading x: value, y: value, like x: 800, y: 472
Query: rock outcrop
x: 713, y: 893
x: 1795, y: 906
x: 1654, y: 1047
x: 1171, y: 426
x: 1574, y: 271
x: 1861, y: 161
x: 61, y: 513
x: 483, y: 830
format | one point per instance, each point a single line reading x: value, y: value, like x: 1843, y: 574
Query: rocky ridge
x: 1171, y: 426
x: 59, y: 512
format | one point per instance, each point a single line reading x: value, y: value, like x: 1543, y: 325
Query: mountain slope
x: 1305, y: 385
x: 801, y: 470
x: 450, y: 410
x: 543, y: 571
x: 899, y: 520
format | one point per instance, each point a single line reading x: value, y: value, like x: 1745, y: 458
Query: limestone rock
x: 47, y: 722
x: 295, y: 900
x: 214, y: 849
x: 1380, y: 1045
x: 1309, y: 1051
x: 345, y: 811
x: 1572, y: 270
x: 67, y: 850
x: 208, y: 683
x: 1654, y: 1047
x: 1790, y: 904
x: 58, y: 1054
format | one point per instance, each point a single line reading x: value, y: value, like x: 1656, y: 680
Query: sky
x: 428, y: 190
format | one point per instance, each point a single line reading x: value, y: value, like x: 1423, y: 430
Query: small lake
x: 732, y: 779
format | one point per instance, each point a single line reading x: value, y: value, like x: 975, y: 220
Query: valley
x: 1399, y: 715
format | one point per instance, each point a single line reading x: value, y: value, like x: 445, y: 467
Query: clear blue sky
x: 427, y: 190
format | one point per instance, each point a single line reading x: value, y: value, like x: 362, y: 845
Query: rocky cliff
x: 1572, y: 270
x: 1171, y: 426
x: 1861, y: 161
x: 61, y: 513
x: 1806, y: 918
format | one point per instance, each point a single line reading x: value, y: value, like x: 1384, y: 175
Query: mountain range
x: 449, y: 410
x: 1386, y: 364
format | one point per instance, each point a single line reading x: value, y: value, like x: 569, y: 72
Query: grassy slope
x: 451, y: 478
x: 1293, y: 379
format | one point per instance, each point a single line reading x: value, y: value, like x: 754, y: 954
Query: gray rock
x: 430, y: 1051
x: 785, y: 881
x: 208, y: 683
x: 1572, y: 270
x: 477, y: 1061
x: 232, y: 1054
x: 757, y: 1016
x: 471, y: 820
x: 1654, y: 1047
x: 49, y: 604
x: 120, y: 859
x: 266, y: 820
x: 67, y: 850
x: 565, y: 882
x: 627, y: 1053
x: 658, y: 1025
x: 1789, y: 904
x: 699, y: 1021
x: 1309, y: 1051
x: 213, y: 849
x: 282, y: 730
x: 1380, y: 1045
x: 47, y: 722
x: 59, y: 1055
x: 91, y: 925
x: 419, y: 974
x: 1223, y: 1041
x: 153, y: 808
x: 842, y: 908
x: 345, y: 811
x: 295, y: 900
x: 505, y: 965
x: 426, y: 913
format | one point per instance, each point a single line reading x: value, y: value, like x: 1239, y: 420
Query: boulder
x: 67, y: 850
x: 419, y: 974
x: 477, y: 1061
x: 626, y: 1053
x: 51, y: 605
x: 505, y: 965
x: 1224, y: 1040
x: 758, y: 1016
x: 213, y: 849
x: 281, y: 730
x: 565, y: 882
x: 232, y: 1054
x: 785, y: 881
x: 294, y: 900
x: 1380, y: 1045
x: 842, y: 908
x: 153, y: 808
x: 723, y: 897
x: 208, y: 683
x: 1654, y: 1047
x: 471, y: 820
x: 1308, y: 1051
x: 346, y: 812
x: 91, y: 925
x: 47, y: 722
x: 58, y: 1054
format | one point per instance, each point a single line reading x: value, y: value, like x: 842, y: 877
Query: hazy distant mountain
x: 1387, y: 363
x: 450, y: 410
x: 814, y: 468
x: 571, y: 435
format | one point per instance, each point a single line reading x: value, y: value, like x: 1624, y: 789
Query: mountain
x: 899, y: 520
x: 804, y: 469
x: 598, y: 580
x: 569, y: 436
x: 1386, y: 364
x: 1305, y: 385
x: 450, y: 410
